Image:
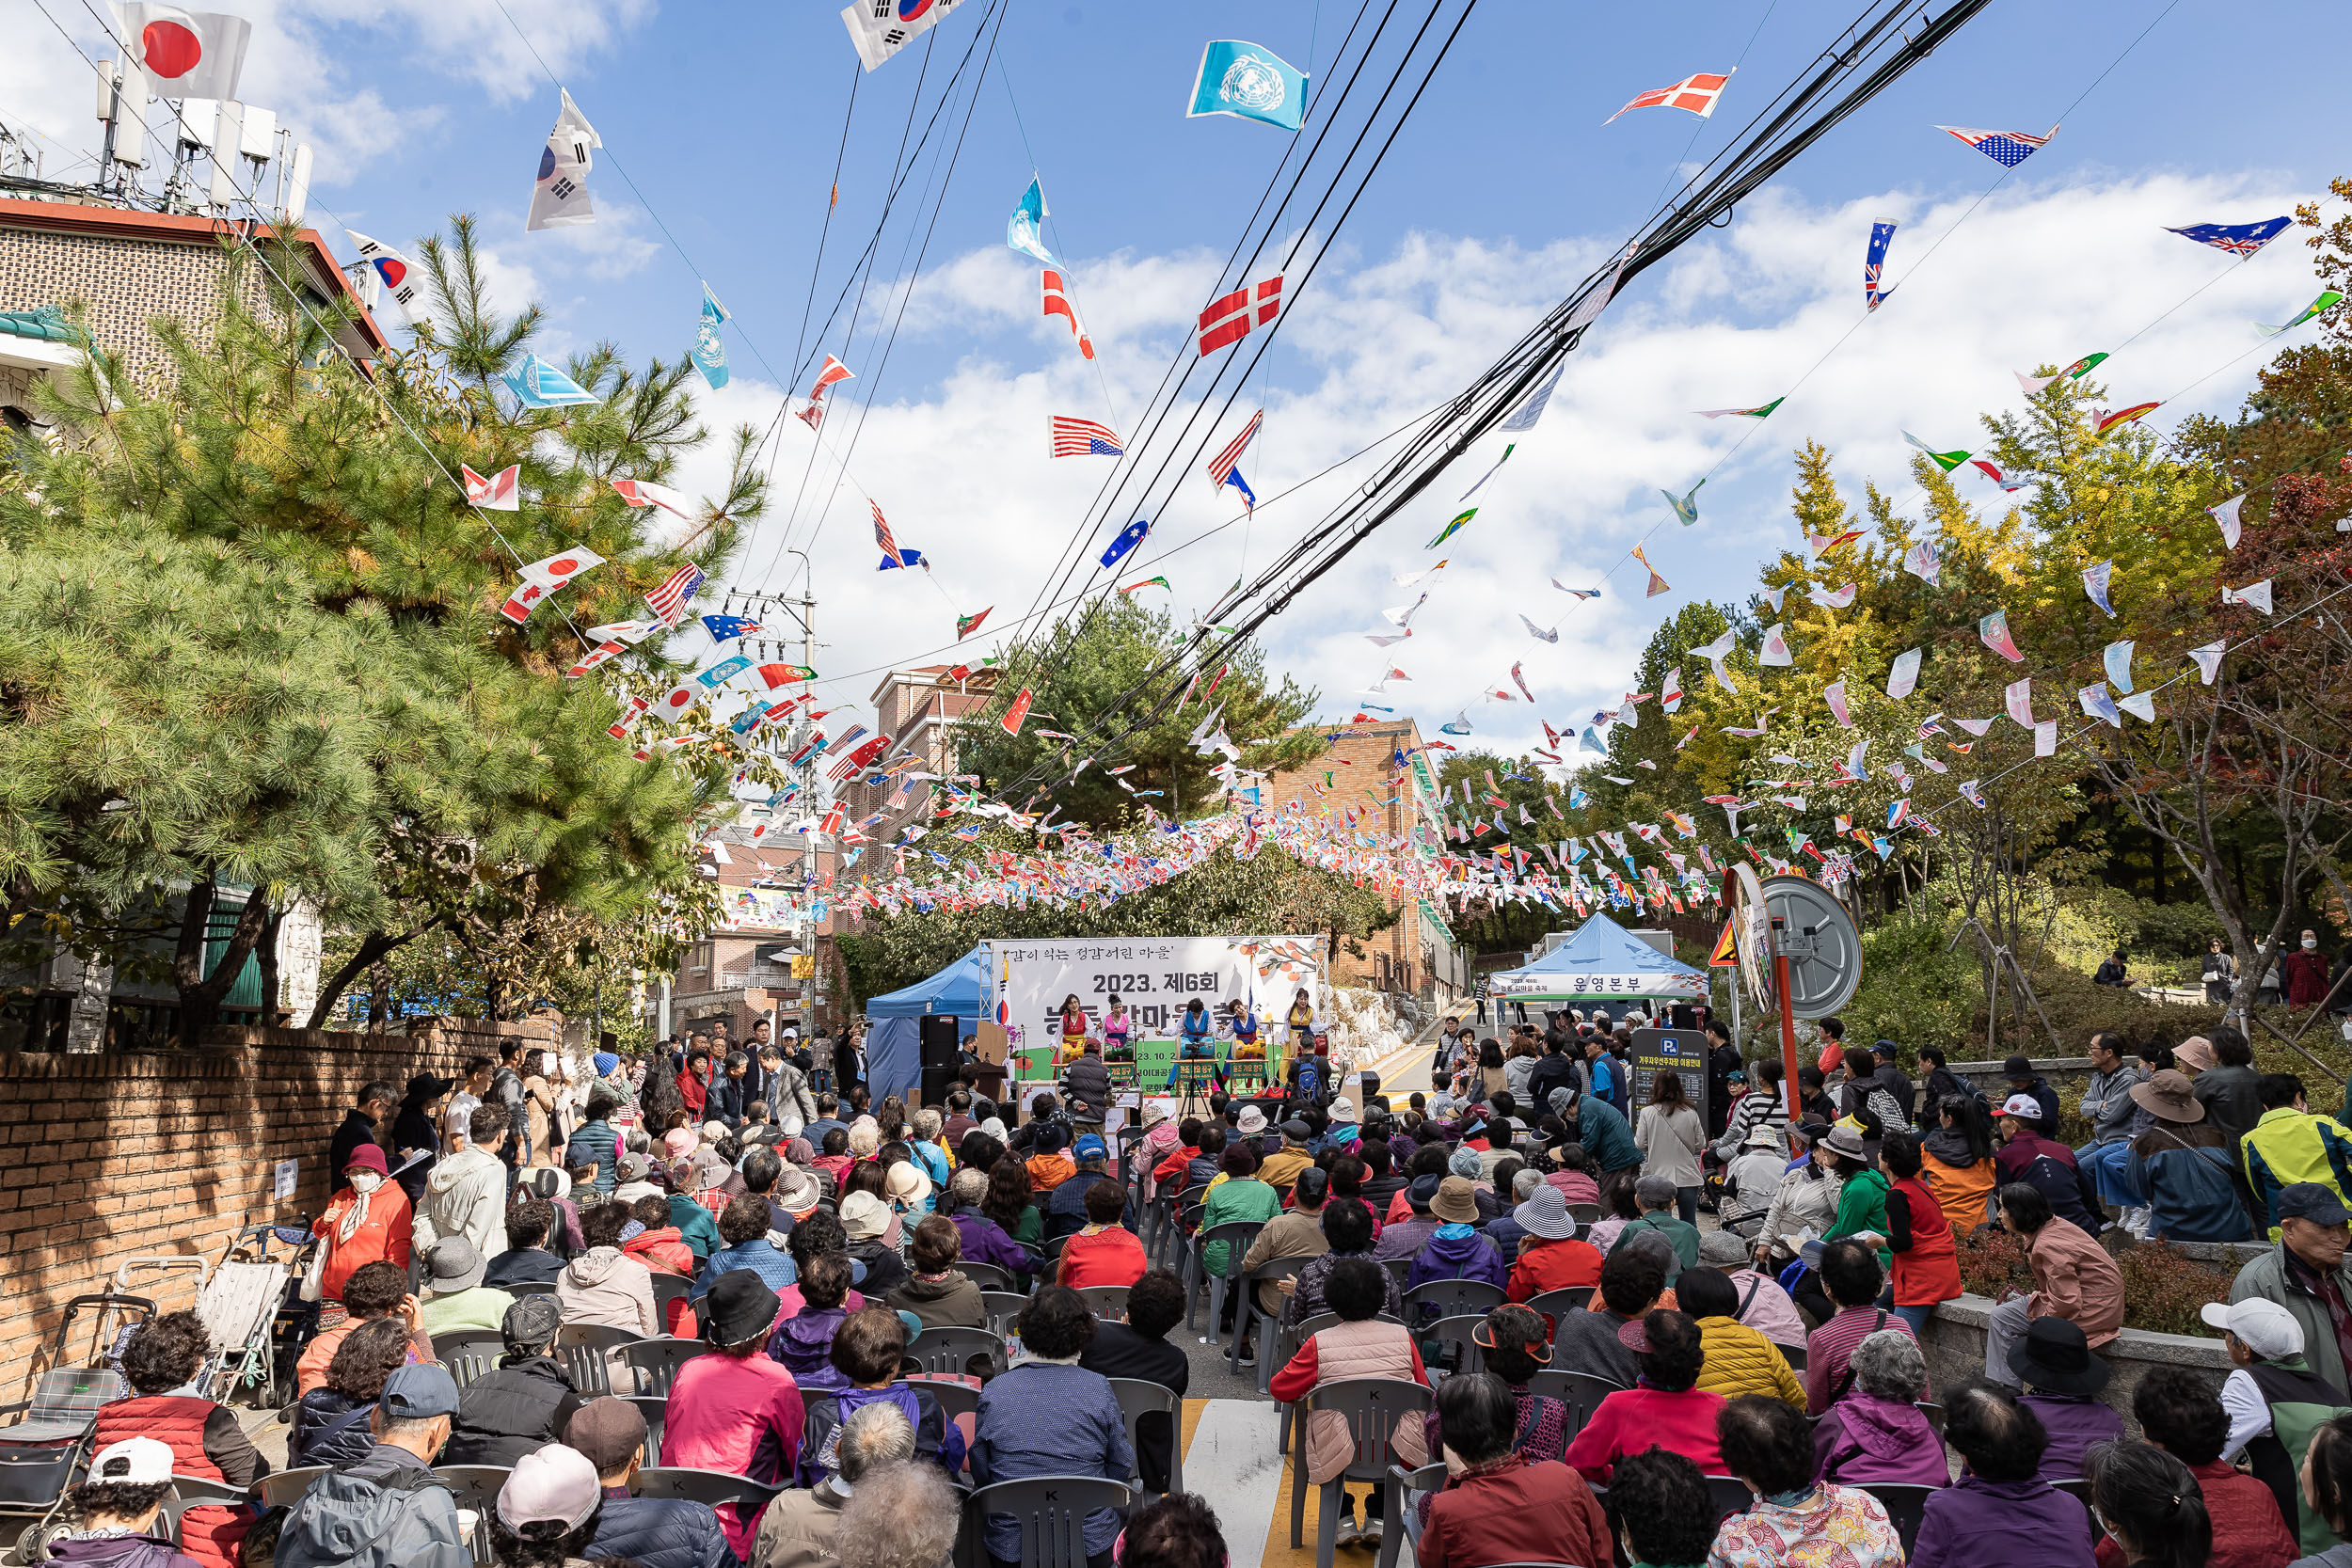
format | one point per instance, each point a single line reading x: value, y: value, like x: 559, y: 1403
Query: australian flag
x: 727, y: 629
x: 2238, y: 239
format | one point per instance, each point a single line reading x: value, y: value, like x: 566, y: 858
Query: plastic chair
x: 1583, y: 1213
x: 1106, y: 1302
x: 956, y: 1398
x: 530, y: 1288
x: 1051, y: 1511
x: 284, y: 1488
x: 468, y: 1353
x: 583, y: 1347
x: 655, y: 1408
x: 1254, y: 1317
x: 949, y: 1351
x: 2080, y: 1489
x: 668, y: 1287
x: 657, y: 1361
x: 1427, y: 1479
x: 1452, y: 1298
x: 1458, y: 1331
x: 1159, y: 1217
x: 1002, y: 1307
x: 1731, y: 1496
x: 195, y: 1492
x: 1237, y: 1235
x: 476, y: 1486
x: 988, y: 1277
x: 708, y: 1487
x: 1934, y: 1413
x: 1580, y: 1392
x: 1372, y: 1406
x: 1793, y: 1355
x: 1401, y: 1268
x: 1905, y: 1505
x: 1138, y: 1398
x: 1554, y: 1305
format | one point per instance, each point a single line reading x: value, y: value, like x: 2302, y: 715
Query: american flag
x: 1222, y: 465
x: 669, y: 600
x: 881, y: 535
x: 1231, y: 318
x: 1697, y: 93
x: 2005, y: 148
x: 1085, y: 439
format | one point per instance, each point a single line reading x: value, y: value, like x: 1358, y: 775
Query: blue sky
x: 1502, y: 191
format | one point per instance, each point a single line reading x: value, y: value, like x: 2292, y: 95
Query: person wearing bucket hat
x: 866, y: 1219
x: 736, y: 1409
x: 454, y: 1296
x: 1753, y: 1175
x: 1456, y: 1250
x: 2181, y: 1164
x: 1251, y: 1123
x: 2054, y: 1364
x: 1763, y: 1305
x: 368, y: 1221
x: 522, y: 1404
x: 1551, y: 1258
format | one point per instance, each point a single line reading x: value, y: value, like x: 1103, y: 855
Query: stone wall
x: 118, y: 1155
x: 1955, y: 1354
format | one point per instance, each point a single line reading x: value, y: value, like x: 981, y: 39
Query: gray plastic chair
x: 657, y: 1361
x: 1580, y: 1392
x: 1253, y: 1318
x: 955, y: 1399
x: 1458, y: 1331
x: 1555, y: 1304
x: 1001, y: 1307
x: 1052, y: 1513
x: 1731, y: 1496
x: 195, y: 1492
x: 584, y: 1349
x: 1138, y: 1398
x: 1106, y: 1302
x: 1934, y: 1413
x: 668, y: 1287
x: 1452, y: 1298
x: 284, y: 1488
x: 1427, y: 1479
x: 1583, y: 1214
x: 952, y: 1349
x: 1905, y: 1505
x: 1401, y: 1269
x: 476, y: 1486
x: 655, y: 1408
x: 708, y: 1487
x: 988, y: 1277
x: 1237, y: 1235
x: 1371, y: 1407
x: 469, y: 1352
x: 530, y: 1288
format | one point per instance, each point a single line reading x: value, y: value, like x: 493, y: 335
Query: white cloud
x: 2039, y: 273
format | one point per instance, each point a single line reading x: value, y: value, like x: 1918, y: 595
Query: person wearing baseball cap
x: 388, y: 1511
x: 2028, y: 1155
x: 2276, y: 1403
x: 117, y: 1506
x: 655, y: 1532
x: 1066, y: 1205
x: 1283, y: 1166
x: 526, y: 1402
x: 548, y: 1510
x: 2308, y: 1274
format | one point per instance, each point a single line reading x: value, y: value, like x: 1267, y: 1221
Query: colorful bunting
x: 967, y: 624
x: 2226, y: 517
x: 2075, y: 372
x: 2005, y: 148
x: 1656, y: 584
x: 1993, y: 473
x: 2239, y: 239
x: 1248, y: 80
x: 1697, y: 93
x: 1993, y: 631
x: 2208, y: 661
x: 2116, y: 657
x: 1688, y: 507
x: 1774, y: 649
x: 1451, y: 529
x: 1947, y: 461
x: 1053, y: 300
x: 2328, y: 299
x: 1129, y: 537
x: 2106, y: 422
x: 2018, y: 700
x: 2097, y: 704
x: 1761, y: 411
x: 1025, y: 232
x: 1508, y: 449
x: 1835, y: 694
x: 1834, y: 598
x: 2096, y: 578
x: 1536, y: 631
x: 2255, y: 593
x: 1920, y: 560
x: 710, y: 352
x: 1873, y: 263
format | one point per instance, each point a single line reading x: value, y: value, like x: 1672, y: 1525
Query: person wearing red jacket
x: 161, y: 1362
x: 661, y: 1246
x: 693, y: 1079
x: 2304, y: 973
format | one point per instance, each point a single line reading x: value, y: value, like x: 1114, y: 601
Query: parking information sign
x: 1676, y: 1050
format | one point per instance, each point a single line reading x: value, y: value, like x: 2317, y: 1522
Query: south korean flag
x: 393, y: 275
x: 561, y: 195
x: 879, y: 28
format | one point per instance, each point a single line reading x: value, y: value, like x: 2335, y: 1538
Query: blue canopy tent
x: 1602, y: 963
x: 894, y: 1057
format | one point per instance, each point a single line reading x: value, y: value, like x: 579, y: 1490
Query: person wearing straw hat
x: 1551, y: 1258
x: 1456, y: 1250
x: 2182, y: 1165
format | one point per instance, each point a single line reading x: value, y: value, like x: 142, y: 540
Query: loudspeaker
x: 1372, y: 1092
x: 939, y: 1034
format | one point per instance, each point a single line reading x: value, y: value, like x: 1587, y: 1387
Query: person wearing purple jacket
x: 2001, y: 1512
x: 2063, y: 1380
x: 1877, y: 1432
x: 118, y: 1506
x: 1405, y: 1238
x: 984, y: 1240
x: 1456, y: 1250
x: 803, y: 1342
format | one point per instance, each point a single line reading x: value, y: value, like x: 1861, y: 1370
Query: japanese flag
x: 557, y: 570
x: 501, y: 492
x: 676, y: 701
x: 185, y: 53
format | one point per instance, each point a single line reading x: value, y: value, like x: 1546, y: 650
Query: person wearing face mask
x: 368, y: 1221
x: 2304, y: 973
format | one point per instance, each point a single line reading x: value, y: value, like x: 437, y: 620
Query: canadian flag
x: 631, y: 710
x: 542, y: 578
x: 595, y: 656
x: 186, y: 53
x: 1236, y: 315
x: 639, y: 492
x: 1057, y: 303
x: 501, y: 492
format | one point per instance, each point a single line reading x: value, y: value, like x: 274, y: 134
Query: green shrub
x: 2163, y: 1291
x: 1913, y: 991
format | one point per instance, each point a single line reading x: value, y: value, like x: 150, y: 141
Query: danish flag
x: 1695, y: 93
x: 498, y: 493
x: 1236, y: 315
x: 834, y: 371
x: 1057, y: 303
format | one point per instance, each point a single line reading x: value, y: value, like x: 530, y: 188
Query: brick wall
x: 1354, y: 772
x: 114, y: 1155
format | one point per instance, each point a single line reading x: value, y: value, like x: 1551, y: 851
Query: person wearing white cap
x: 548, y: 1510
x: 117, y: 1506
x: 2275, y: 1404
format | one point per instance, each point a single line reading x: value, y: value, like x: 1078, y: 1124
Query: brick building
x: 124, y: 269
x: 918, y: 709
x: 770, y: 955
x: 1416, y: 956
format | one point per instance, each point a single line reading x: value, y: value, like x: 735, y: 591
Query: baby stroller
x: 251, y: 1306
x: 43, y: 1451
